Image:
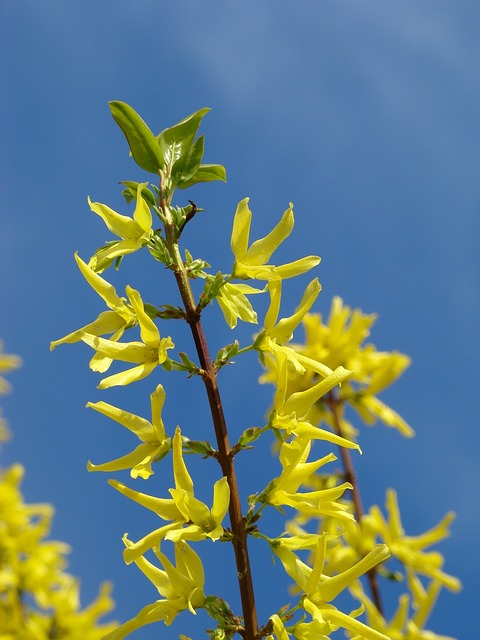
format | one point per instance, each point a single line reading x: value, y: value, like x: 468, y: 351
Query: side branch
x: 350, y: 477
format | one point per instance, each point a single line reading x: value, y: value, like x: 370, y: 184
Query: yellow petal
x: 127, y: 377
x: 301, y: 401
x: 142, y: 455
x: 261, y: 250
x: 241, y: 229
x: 148, y: 329
x: 142, y: 214
x: 284, y: 329
x: 121, y: 226
x: 165, y: 508
x: 108, y: 322
x: 157, y: 400
x: 104, y: 289
x: 297, y: 267
x: 137, y: 425
x: 134, y: 352
x: 182, y: 477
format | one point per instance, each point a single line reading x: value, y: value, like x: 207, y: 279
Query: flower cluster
x: 39, y: 599
x: 340, y: 343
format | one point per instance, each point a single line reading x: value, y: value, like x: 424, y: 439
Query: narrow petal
x: 104, y: 289
x: 279, y: 628
x: 121, y: 226
x: 127, y: 377
x: 315, y: 577
x: 306, y: 429
x: 142, y: 214
x: 134, y: 352
x: 261, y: 250
x: 182, y: 477
x: 241, y: 230
x: 157, y: 400
x: 190, y: 563
x: 135, y: 550
x: 275, y: 291
x: 296, y: 268
x: 221, y: 500
x: 148, y: 329
x: 284, y: 329
x: 137, y: 425
x: 330, y: 587
x: 129, y: 461
x: 302, y: 401
x: 351, y: 624
x: 295, y: 568
x: 189, y: 533
x: 165, y: 508
x: 107, y: 322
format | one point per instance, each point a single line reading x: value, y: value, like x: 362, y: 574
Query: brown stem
x: 225, y: 456
x: 350, y: 477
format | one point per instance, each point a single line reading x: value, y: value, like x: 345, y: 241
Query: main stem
x: 350, y: 477
x: 225, y: 457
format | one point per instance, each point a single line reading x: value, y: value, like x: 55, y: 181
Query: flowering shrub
x: 328, y: 545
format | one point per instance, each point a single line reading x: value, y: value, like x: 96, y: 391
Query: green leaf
x: 144, y: 146
x: 187, y: 165
x: 130, y: 193
x: 202, y: 447
x: 175, y: 141
x: 206, y: 173
x: 226, y: 353
x: 250, y: 435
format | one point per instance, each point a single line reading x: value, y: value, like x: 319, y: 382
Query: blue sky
x: 365, y: 115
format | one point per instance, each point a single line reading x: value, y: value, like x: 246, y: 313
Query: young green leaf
x: 130, y: 192
x: 175, y: 141
x: 187, y: 165
x: 144, y: 146
x: 205, y: 173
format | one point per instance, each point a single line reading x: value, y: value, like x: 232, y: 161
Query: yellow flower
x: 283, y: 491
x: 134, y: 232
x: 411, y: 550
x: 180, y: 586
x: 288, y: 414
x: 332, y: 619
x: 114, y: 322
x: 320, y: 589
x: 250, y: 262
x: 339, y: 343
x: 32, y: 569
x: 411, y: 616
x: 147, y: 354
x: 191, y: 518
x: 272, y: 342
x: 154, y: 445
x: 234, y: 303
